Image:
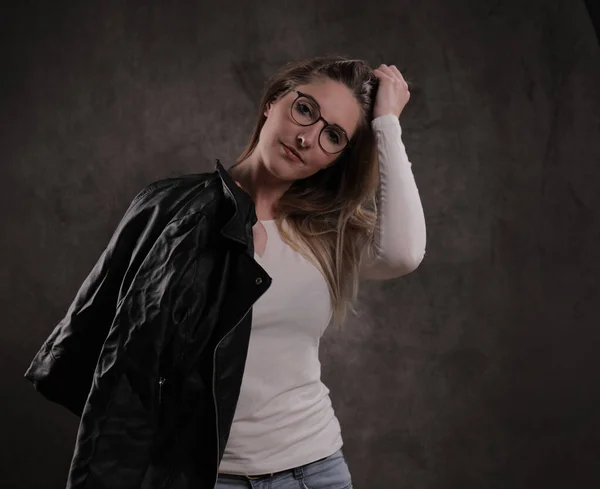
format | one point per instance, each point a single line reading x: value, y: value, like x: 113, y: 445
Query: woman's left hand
x: 392, y: 94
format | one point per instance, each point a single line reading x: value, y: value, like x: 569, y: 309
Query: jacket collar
x: 239, y: 227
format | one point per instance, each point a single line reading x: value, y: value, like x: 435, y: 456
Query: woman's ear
x: 267, y: 110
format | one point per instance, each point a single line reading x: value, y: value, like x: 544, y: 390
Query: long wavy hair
x: 333, y: 212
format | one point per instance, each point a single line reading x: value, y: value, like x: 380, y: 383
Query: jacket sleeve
x: 63, y: 369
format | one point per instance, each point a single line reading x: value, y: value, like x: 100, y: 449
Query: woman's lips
x: 291, y: 152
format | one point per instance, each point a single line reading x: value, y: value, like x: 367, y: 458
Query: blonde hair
x: 333, y: 212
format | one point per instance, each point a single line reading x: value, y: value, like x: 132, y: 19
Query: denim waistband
x: 296, y: 470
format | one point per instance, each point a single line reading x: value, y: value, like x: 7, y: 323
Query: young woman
x: 323, y: 135
x: 203, y: 316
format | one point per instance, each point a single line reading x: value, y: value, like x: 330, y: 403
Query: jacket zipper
x: 213, y: 385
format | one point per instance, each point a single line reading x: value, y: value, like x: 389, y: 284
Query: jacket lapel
x: 239, y: 226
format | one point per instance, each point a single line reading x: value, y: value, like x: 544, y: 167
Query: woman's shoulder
x: 175, y: 186
x: 180, y: 195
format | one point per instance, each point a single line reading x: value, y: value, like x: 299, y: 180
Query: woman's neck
x: 264, y: 199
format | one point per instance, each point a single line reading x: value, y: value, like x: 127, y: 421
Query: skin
x: 268, y: 172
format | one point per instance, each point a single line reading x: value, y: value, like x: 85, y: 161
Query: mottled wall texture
x: 481, y: 369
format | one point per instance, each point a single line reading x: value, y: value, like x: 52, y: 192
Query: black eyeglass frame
x: 300, y: 94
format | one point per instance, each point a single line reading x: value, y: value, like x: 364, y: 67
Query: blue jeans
x: 328, y: 473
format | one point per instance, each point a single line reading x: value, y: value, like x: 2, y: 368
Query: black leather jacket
x: 152, y: 350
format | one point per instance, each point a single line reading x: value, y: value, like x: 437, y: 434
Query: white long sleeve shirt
x: 284, y: 417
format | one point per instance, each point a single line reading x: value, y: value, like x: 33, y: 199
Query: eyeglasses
x: 305, y: 112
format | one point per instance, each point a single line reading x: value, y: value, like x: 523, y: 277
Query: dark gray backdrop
x: 479, y: 370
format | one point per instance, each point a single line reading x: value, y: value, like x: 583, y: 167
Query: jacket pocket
x: 161, y: 382
x: 161, y: 416
x: 163, y: 403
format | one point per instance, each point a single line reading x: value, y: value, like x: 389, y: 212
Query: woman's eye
x: 304, y: 109
x: 334, y: 137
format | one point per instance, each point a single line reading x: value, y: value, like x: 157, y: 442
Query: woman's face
x: 337, y: 106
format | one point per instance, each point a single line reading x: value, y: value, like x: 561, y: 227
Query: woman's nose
x: 310, y: 134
